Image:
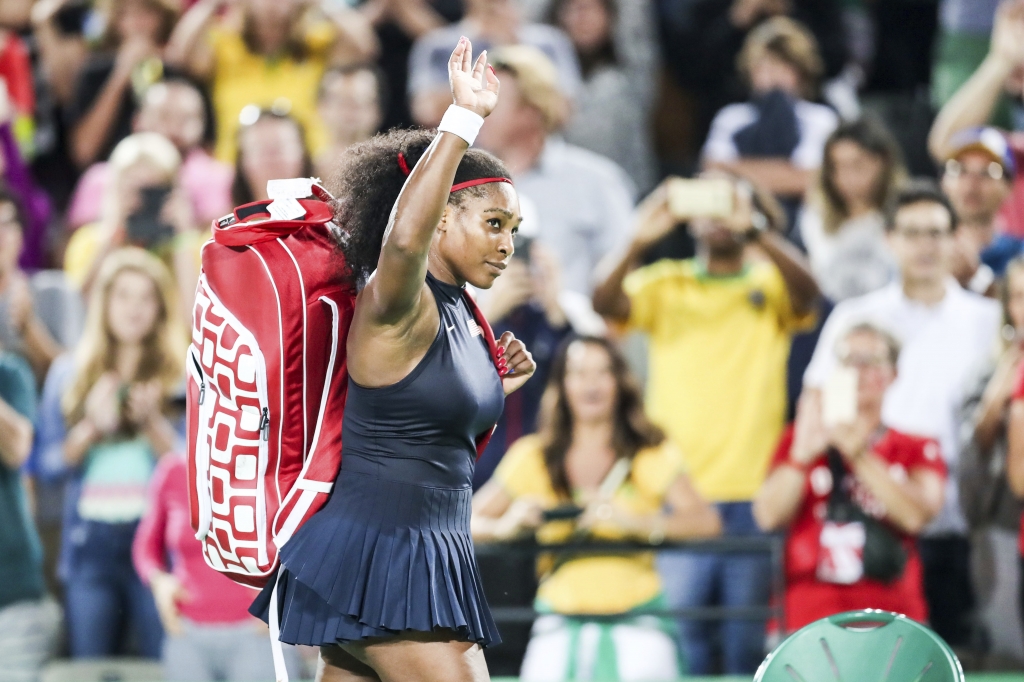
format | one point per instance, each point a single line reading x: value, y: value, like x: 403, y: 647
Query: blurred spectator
x: 841, y: 224
x: 777, y: 138
x: 107, y: 404
x: 173, y: 108
x: 525, y: 301
x: 268, y: 52
x: 58, y: 32
x: 974, y: 103
x: 110, y: 84
x: 852, y: 496
x: 21, y: 330
x: 209, y: 634
x: 399, y: 23
x: 16, y: 176
x: 29, y: 622
x: 611, y: 112
x: 946, y: 332
x: 583, y: 200
x: 144, y: 206
x: 991, y: 510
x: 977, y: 177
x: 488, y: 24
x: 720, y: 327
x: 701, y: 40
x: 351, y: 103
x: 615, y: 477
x: 270, y: 146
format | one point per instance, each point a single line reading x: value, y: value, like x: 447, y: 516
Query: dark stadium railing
x: 773, y: 545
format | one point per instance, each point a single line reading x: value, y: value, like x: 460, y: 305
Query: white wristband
x: 462, y: 122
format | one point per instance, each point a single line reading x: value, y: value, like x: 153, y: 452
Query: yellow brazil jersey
x: 241, y: 78
x: 581, y: 585
x: 717, y: 367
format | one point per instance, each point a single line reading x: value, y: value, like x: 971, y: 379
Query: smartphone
x: 566, y: 512
x: 146, y: 227
x: 839, y: 397
x: 523, y: 246
x: 700, y: 198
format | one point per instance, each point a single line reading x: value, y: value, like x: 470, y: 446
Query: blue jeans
x: 107, y: 606
x: 694, y: 579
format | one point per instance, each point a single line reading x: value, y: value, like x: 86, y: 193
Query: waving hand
x: 474, y: 85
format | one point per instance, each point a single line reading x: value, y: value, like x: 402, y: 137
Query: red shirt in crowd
x: 1018, y: 394
x: 807, y: 597
x: 165, y: 531
x: 1012, y: 212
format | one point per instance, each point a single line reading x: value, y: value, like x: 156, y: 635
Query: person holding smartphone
x: 598, y: 470
x: 720, y: 327
x: 144, y: 206
x: 851, y: 493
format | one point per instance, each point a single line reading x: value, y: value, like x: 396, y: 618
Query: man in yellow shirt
x: 720, y: 327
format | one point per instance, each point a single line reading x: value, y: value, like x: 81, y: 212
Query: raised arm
x: 796, y: 272
x: 356, y: 40
x: 653, y: 221
x: 393, y: 293
x: 974, y: 101
x: 187, y: 49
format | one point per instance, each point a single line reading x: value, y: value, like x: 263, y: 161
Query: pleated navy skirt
x: 381, y: 558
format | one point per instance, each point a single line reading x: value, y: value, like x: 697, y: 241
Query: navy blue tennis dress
x: 391, y: 550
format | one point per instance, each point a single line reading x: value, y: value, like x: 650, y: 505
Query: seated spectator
x: 611, y: 113
x: 852, y: 496
x: 975, y: 102
x: 584, y: 201
x: 992, y: 511
x: 720, y: 328
x: 17, y: 177
x: 21, y: 330
x: 945, y: 332
x: 351, y: 103
x: 270, y: 146
x: 526, y: 300
x: 268, y: 52
x: 977, y: 178
x: 146, y: 207
x: 107, y: 405
x: 173, y: 108
x: 777, y: 138
x: 841, y: 224
x: 29, y: 622
x: 209, y: 634
x: 598, y: 457
x: 488, y: 24
x: 129, y: 60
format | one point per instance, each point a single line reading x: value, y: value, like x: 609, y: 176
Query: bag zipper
x: 202, y: 378
x: 265, y: 424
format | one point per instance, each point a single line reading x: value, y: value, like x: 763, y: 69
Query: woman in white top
x: 841, y: 224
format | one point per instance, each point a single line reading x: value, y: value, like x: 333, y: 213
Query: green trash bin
x: 862, y: 646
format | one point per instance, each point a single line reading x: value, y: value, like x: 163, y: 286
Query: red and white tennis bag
x: 267, y: 378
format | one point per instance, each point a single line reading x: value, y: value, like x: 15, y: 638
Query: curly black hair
x: 369, y: 181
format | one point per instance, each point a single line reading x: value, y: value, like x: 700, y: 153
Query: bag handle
x: 252, y: 223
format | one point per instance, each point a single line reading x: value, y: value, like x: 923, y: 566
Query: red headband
x: 404, y: 166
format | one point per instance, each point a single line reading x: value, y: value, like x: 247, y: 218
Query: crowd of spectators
x: 771, y: 268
